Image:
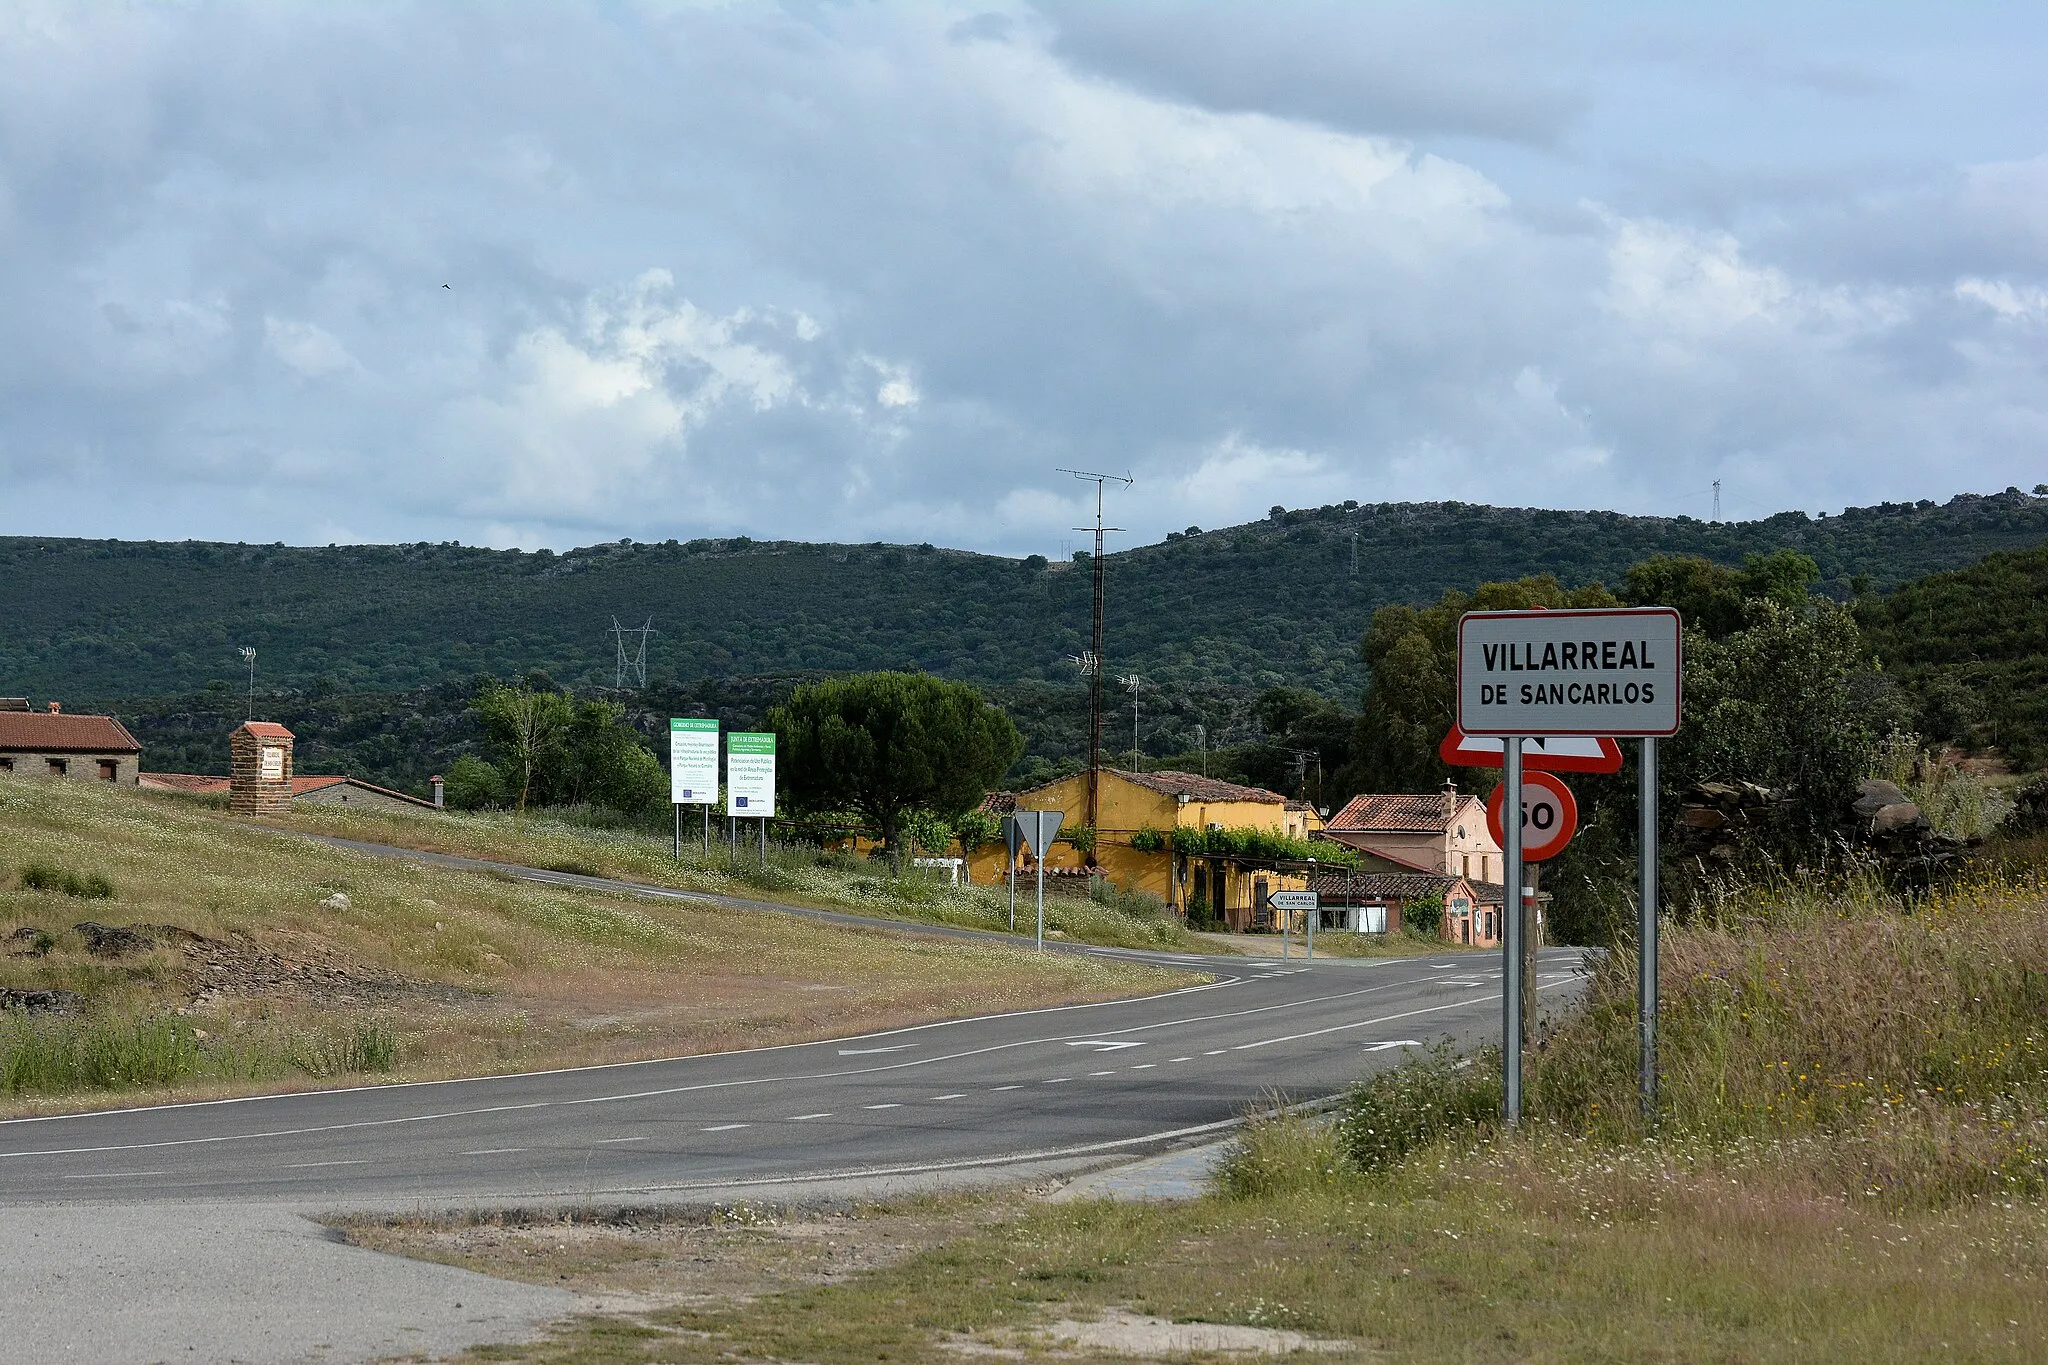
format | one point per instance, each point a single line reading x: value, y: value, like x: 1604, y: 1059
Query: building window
x: 6, y: 765
x: 57, y: 766
x: 110, y: 769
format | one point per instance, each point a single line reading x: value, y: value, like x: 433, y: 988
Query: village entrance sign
x: 1546, y: 674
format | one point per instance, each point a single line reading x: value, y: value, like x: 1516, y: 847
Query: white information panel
x: 692, y: 761
x: 1533, y: 673
x: 750, y: 775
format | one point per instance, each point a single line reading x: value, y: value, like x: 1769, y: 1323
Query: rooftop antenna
x: 249, y: 657
x: 636, y: 662
x: 1202, y: 743
x: 1132, y: 682
x: 1354, y: 552
x: 1717, y: 500
x: 1095, y: 638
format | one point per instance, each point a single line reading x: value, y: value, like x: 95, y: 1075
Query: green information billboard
x: 692, y: 761
x: 750, y: 775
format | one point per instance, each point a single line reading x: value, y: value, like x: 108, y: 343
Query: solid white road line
x: 493, y: 1151
x: 313, y: 1165
x: 115, y: 1175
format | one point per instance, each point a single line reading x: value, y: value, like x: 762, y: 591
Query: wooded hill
x: 1272, y: 602
x: 1972, y: 647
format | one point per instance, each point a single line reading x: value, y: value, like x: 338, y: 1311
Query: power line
x: 636, y: 662
x: 1095, y: 639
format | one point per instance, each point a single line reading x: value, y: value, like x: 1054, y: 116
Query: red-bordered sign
x: 1615, y: 672
x: 1550, y: 815
x: 1557, y: 754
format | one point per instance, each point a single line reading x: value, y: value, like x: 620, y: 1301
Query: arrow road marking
x: 871, y: 1051
x: 1105, y: 1044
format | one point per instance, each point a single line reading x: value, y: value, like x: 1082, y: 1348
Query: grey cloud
x: 224, y: 248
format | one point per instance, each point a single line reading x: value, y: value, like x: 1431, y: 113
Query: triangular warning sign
x: 1557, y: 754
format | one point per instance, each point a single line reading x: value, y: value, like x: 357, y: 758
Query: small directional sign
x: 1293, y: 900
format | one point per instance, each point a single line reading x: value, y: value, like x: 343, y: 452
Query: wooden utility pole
x: 1095, y: 642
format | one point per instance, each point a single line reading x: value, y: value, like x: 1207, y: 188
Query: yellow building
x: 1133, y: 843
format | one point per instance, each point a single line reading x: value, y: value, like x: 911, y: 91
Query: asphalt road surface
x: 990, y: 1091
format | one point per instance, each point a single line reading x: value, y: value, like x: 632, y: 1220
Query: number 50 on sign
x: 1550, y: 814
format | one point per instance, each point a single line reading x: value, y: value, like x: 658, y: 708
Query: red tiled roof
x: 999, y: 803
x: 1412, y: 814
x: 301, y: 784
x: 265, y: 729
x: 1197, y: 788
x: 56, y: 732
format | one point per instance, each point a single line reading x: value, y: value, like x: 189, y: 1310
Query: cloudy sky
x: 873, y: 271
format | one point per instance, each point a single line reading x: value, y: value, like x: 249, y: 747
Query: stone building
x: 52, y: 743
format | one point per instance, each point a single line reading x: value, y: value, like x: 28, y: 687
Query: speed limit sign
x: 1549, y: 815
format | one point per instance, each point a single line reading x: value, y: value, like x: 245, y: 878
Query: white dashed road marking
x: 800, y: 1118
x: 714, y: 1128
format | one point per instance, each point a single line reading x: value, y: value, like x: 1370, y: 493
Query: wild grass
x: 346, y: 966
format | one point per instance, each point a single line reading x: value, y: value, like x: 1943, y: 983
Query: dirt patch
x: 1136, y: 1334
x: 636, y: 1261
x: 219, y: 971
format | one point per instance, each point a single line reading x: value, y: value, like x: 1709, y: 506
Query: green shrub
x: 1129, y: 900
x: 472, y: 784
x: 89, y: 886
x: 1280, y: 1153
x: 1426, y: 1098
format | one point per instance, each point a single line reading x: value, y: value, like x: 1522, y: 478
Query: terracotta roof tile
x: 1197, y: 788
x: 1420, y: 814
x: 47, y: 732
x: 265, y: 729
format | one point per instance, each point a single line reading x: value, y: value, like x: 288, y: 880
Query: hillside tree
x: 883, y: 745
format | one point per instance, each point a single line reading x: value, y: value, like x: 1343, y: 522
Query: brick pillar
x: 260, y: 761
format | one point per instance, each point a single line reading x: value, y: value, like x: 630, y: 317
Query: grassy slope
x: 1849, y: 1164
x: 795, y: 876
x: 463, y: 973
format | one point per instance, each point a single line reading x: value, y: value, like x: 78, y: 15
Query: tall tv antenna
x: 1202, y: 743
x: 249, y: 657
x: 1132, y: 682
x: 1095, y: 638
x: 1717, y: 500
x: 1354, y: 552
x: 634, y: 663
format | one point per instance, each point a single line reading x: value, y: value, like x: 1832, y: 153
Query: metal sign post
x: 1511, y: 935
x: 1548, y: 674
x: 1013, y: 839
x: 1646, y: 935
x: 1038, y: 829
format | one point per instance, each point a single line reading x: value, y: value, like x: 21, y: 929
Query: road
x: 990, y: 1091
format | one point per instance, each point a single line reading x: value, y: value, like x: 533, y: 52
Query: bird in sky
x: 447, y: 286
